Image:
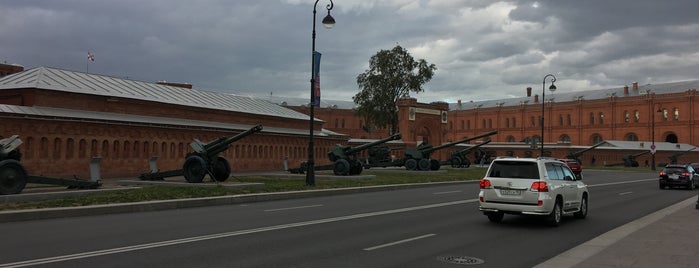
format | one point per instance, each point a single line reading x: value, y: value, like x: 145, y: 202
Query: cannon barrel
x: 475, y: 146
x: 354, y: 150
x: 641, y: 153
x: 579, y: 153
x: 432, y: 149
x: 221, y: 144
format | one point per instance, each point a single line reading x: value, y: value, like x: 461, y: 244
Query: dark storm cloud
x: 483, y: 49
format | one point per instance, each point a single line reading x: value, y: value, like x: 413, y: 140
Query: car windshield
x: 514, y: 169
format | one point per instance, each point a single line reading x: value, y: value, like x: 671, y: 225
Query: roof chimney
x: 529, y: 91
x: 459, y: 103
x: 626, y: 90
x: 635, y: 85
x: 536, y: 98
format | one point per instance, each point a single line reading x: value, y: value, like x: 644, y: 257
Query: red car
x: 574, y: 166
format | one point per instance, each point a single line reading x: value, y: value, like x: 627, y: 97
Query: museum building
x: 67, y: 119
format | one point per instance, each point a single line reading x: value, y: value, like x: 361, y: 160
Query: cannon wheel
x: 220, y: 169
x: 13, y: 177
x: 194, y: 169
x: 466, y: 163
x: 434, y: 164
x: 411, y: 164
x: 423, y: 164
x: 341, y: 167
x: 356, y: 168
x: 455, y: 162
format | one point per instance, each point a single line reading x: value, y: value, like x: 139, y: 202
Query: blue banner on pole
x: 316, y: 78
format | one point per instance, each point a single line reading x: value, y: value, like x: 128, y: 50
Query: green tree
x: 392, y: 74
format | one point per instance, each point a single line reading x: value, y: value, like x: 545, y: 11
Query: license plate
x: 510, y: 192
x: 674, y: 176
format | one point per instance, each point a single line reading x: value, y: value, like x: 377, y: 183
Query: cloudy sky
x: 483, y: 49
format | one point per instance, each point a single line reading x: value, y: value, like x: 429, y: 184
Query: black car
x: 678, y: 175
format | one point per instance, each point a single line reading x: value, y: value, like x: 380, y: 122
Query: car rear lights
x: 485, y: 183
x: 686, y: 174
x: 540, y: 186
x: 662, y: 173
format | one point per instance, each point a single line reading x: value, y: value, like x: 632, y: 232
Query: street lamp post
x: 543, y: 106
x: 652, y: 138
x: 328, y: 22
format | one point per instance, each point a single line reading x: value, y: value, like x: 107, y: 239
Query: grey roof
x: 84, y: 83
x: 563, y: 96
x: 645, y: 145
x: 324, y: 103
x: 118, y: 118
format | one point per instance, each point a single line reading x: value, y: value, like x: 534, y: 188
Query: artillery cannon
x: 204, y: 160
x: 630, y: 159
x: 419, y: 157
x: 576, y: 155
x: 459, y: 158
x: 13, y: 176
x: 673, y: 157
x: 378, y: 155
x: 344, y: 158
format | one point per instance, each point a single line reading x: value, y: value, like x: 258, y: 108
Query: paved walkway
x: 665, y: 239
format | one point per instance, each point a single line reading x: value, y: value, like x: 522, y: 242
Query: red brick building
x: 66, y: 118
x: 631, y: 118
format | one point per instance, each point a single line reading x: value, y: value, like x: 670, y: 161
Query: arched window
x: 626, y: 116
x: 596, y: 138
x: 601, y: 118
x: 510, y: 139
x: 565, y: 138
x: 592, y: 118
x: 631, y: 137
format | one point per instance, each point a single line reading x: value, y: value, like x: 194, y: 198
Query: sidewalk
x: 667, y: 238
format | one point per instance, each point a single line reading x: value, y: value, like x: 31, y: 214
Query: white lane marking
x: 449, y: 192
x: 625, y: 193
x: 223, y: 235
x: 620, y: 182
x: 290, y: 208
x: 242, y: 232
x: 398, y: 242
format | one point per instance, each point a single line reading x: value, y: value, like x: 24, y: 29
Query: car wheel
x: 583, y: 209
x: 554, y: 219
x: 495, y: 216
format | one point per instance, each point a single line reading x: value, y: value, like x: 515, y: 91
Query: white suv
x: 532, y: 186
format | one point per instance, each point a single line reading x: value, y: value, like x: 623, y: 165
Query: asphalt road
x: 426, y: 227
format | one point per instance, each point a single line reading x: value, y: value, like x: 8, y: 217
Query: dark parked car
x: 678, y: 175
x: 574, y: 166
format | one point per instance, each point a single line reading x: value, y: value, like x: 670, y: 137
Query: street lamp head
x: 552, y: 88
x: 328, y: 21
